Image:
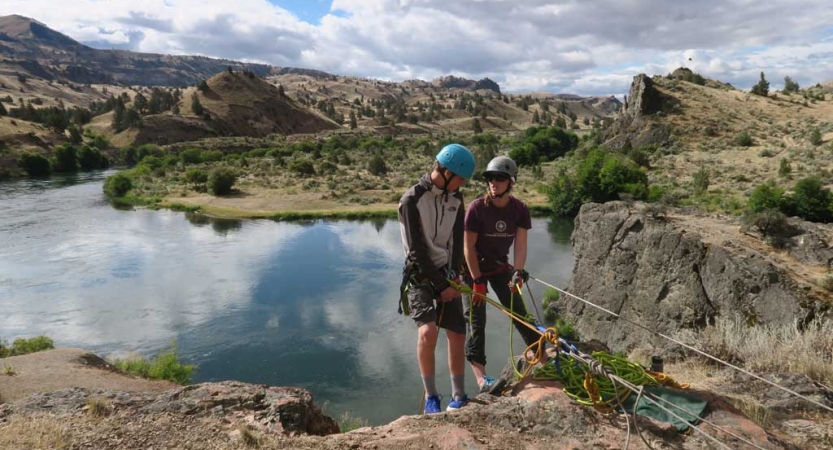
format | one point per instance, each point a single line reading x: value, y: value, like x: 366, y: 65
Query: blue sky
x: 307, y: 10
x: 562, y: 46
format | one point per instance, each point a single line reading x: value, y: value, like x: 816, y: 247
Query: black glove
x: 519, y: 277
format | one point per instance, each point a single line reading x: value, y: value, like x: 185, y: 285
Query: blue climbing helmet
x: 457, y: 159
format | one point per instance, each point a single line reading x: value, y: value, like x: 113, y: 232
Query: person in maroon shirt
x: 493, y: 223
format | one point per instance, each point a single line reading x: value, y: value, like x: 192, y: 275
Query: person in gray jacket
x: 431, y: 221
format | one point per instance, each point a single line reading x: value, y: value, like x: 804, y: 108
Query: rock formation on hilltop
x: 633, y: 127
x: 451, y: 81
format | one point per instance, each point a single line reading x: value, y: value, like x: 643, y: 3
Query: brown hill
x: 691, y: 126
x: 235, y: 104
x: 31, y: 47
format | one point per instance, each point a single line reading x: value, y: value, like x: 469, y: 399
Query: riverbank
x: 266, y: 204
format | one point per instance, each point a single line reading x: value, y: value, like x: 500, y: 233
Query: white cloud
x: 591, y: 48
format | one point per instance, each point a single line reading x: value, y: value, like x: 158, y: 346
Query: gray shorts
x: 448, y: 315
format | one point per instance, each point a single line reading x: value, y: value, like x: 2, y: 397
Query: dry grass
x: 750, y: 407
x: 768, y: 348
x: 249, y: 437
x: 98, y: 407
x: 8, y: 370
x: 35, y: 432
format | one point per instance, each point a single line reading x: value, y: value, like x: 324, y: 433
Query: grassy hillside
x: 742, y: 140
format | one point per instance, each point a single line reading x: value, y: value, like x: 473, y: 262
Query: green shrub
x: 376, y: 165
x: 146, y: 150
x: 211, y: 156
x: 744, y: 139
x: 701, y: 181
x: 655, y: 193
x: 165, y: 366
x: 551, y: 296
x: 35, y: 165
x: 815, y: 136
x: 90, y: 158
x: 784, y: 168
x: 23, y: 346
x: 117, y: 185
x: 811, y: 201
x: 221, y: 180
x: 129, y: 156
x: 196, y: 176
x: 191, y: 156
x: 66, y: 159
x: 766, y: 196
x: 302, y: 166
x: 566, y: 329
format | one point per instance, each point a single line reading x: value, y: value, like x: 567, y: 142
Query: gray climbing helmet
x: 502, y: 165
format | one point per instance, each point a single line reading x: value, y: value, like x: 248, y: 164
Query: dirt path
x: 65, y: 368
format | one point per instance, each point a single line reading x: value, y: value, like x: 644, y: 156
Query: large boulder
x: 648, y: 271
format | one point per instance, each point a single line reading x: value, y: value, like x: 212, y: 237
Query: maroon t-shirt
x: 495, y: 227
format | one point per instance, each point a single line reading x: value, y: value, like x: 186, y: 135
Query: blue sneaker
x: 457, y: 403
x: 432, y: 404
x: 488, y: 384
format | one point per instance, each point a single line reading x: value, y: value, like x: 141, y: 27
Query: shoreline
x: 347, y: 212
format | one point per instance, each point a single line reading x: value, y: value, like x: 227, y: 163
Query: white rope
x: 714, y: 358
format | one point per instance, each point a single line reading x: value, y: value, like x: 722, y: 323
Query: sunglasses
x: 498, y: 178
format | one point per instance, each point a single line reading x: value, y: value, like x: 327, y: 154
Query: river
x: 303, y: 304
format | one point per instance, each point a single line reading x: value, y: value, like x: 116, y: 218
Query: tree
x: 376, y: 165
x: 66, y: 159
x: 535, y: 117
x: 35, y: 165
x: 475, y: 126
x: 790, y: 85
x: 353, y: 123
x: 196, y: 106
x: 762, y: 88
x: 140, y: 102
x: 90, y: 158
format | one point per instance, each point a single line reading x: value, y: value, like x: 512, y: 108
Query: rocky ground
x: 136, y: 414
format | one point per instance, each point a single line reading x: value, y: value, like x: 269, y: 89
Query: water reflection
x: 309, y: 304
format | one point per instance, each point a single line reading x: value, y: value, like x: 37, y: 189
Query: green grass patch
x: 165, y: 366
x: 23, y: 346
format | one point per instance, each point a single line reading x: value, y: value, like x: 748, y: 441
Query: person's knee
x: 428, y: 332
x: 456, y: 339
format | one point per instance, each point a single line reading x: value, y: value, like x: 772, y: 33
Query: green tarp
x: 691, y: 406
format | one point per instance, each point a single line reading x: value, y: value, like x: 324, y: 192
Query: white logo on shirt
x: 500, y: 226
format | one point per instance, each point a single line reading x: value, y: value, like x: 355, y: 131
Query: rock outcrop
x: 649, y: 271
x: 450, y: 81
x: 233, y: 415
x: 633, y: 127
